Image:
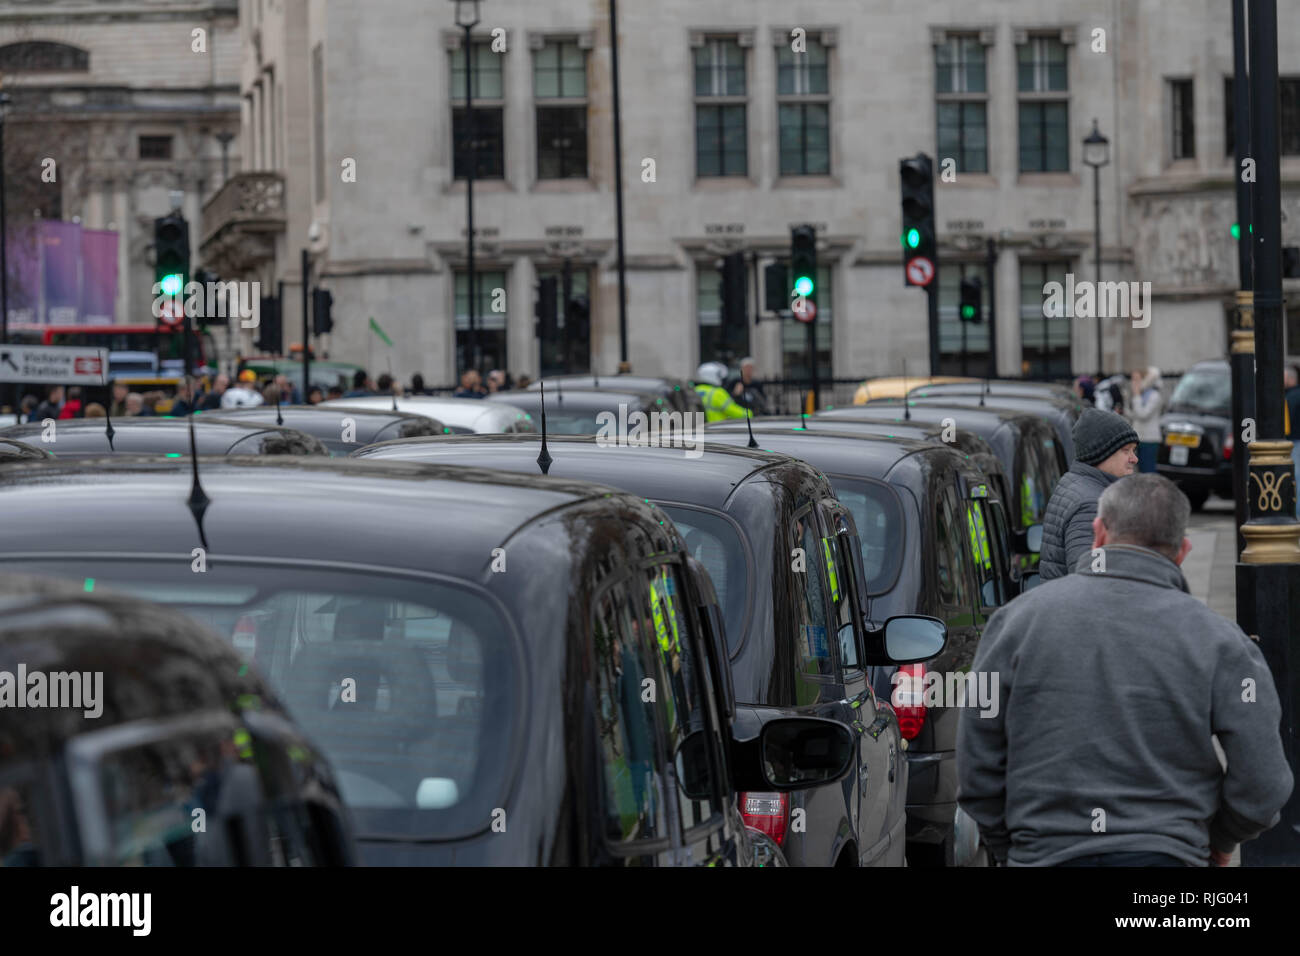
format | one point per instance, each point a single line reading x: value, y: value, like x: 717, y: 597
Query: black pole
x: 812, y: 363
x: 1096, y: 239
x: 962, y: 320
x: 990, y: 270
x: 623, y: 365
x: 306, y: 329
x: 932, y: 294
x: 1242, y: 358
x: 4, y: 255
x: 1268, y: 576
x: 566, y: 293
x: 469, y: 192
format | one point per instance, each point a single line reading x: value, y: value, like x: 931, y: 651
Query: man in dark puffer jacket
x: 1105, y: 448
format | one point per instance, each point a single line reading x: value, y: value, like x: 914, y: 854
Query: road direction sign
x: 53, y: 365
x: 804, y: 310
x: 920, y: 271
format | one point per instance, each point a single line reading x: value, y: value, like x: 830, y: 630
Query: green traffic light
x: 803, y: 286
x: 913, y: 238
x: 968, y: 311
x: 1236, y: 231
x: 171, y: 284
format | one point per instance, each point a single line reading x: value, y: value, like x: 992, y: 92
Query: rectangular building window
x: 951, y: 326
x: 794, y: 336
x: 488, y: 92
x: 1182, y: 131
x: 961, y: 91
x: 155, y: 147
x: 318, y: 118
x: 803, y: 109
x: 491, y: 325
x: 721, y: 131
x: 1044, y: 110
x: 717, y: 343
x: 560, y: 89
x: 570, y: 350
x: 1044, y: 342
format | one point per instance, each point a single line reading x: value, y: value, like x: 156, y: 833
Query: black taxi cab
x: 933, y: 535
x: 784, y: 556
x: 501, y: 670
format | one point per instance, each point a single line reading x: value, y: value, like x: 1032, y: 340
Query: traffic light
x: 776, y: 289
x: 546, y: 310
x: 972, y: 300
x: 735, y: 304
x: 322, y: 311
x: 270, y: 336
x: 918, y: 236
x: 803, y: 262
x: 171, y: 241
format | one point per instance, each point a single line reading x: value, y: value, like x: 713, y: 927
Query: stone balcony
x: 241, y: 222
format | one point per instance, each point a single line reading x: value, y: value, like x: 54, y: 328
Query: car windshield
x: 714, y: 542
x: 408, y: 686
x: 879, y: 521
x: 1203, y: 390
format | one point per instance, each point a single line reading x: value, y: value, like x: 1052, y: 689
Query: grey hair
x: 1147, y: 510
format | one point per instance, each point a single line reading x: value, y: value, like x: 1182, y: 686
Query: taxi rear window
x: 407, y: 686
x: 879, y: 521
x: 714, y: 541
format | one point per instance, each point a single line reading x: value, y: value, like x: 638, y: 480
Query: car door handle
x: 878, y: 725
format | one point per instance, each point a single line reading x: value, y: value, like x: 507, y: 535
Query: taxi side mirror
x: 906, y: 639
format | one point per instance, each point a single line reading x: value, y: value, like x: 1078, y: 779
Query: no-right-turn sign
x: 920, y: 271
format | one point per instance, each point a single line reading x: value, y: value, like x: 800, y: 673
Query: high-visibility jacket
x: 718, y: 405
x: 979, y: 539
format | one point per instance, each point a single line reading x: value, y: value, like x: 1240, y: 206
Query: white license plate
x: 1178, y: 455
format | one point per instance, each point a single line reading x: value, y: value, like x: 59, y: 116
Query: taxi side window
x: 679, y: 699
x: 983, y: 544
x: 625, y: 722
x: 20, y: 833
x: 952, y: 551
x: 813, y: 644
x: 847, y: 629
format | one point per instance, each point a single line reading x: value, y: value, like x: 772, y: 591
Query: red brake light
x: 907, y: 698
x: 1227, y: 447
x: 768, y: 812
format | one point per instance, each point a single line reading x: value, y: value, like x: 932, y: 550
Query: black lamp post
x: 467, y: 18
x: 4, y: 258
x: 1096, y: 153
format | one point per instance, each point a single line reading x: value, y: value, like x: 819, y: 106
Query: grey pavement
x: 1211, y: 567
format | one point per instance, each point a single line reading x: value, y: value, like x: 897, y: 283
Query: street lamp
x: 1096, y: 153
x: 467, y: 18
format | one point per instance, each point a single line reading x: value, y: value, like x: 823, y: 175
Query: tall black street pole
x: 990, y: 271
x: 623, y: 365
x: 1268, y: 575
x: 469, y: 191
x: 4, y: 255
x: 1242, y: 355
x: 306, y: 326
x: 1096, y: 244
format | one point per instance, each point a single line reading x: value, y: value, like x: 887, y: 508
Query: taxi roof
x: 663, y: 473
x: 843, y: 453
x: 288, y: 507
x: 147, y: 435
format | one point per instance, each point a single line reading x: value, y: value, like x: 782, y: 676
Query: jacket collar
x: 1133, y: 563
x: 1092, y: 471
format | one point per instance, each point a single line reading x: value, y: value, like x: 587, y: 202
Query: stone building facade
x: 738, y: 122
x: 133, y: 105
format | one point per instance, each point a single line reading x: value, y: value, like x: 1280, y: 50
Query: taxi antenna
x: 595, y: 378
x: 803, y: 412
x: 198, y: 501
x: 392, y: 385
x: 985, y: 391
x: 544, y: 457
x: 109, y: 431
x: 279, y: 419
x: 749, y: 423
x: 907, y: 407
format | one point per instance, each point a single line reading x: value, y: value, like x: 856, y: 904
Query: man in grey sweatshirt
x: 1111, y: 682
